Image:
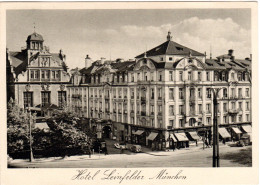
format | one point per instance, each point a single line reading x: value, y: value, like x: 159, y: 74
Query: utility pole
x: 215, y: 162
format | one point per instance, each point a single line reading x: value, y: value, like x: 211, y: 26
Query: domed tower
x: 34, y: 42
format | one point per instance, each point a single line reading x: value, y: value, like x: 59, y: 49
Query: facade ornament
x: 45, y: 87
x: 27, y: 87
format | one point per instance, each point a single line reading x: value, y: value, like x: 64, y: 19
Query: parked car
x: 120, y: 145
x: 136, y: 148
x: 244, y: 140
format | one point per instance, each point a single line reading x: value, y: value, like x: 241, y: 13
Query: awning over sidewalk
x: 152, y: 136
x: 194, y: 135
x: 236, y: 130
x: 223, y: 132
x: 247, y: 128
x: 138, y: 132
x: 173, y: 138
x: 181, y: 136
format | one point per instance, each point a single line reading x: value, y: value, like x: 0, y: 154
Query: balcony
x: 159, y: 113
x: 132, y: 97
x: 143, y: 113
x: 159, y: 98
x: 143, y: 98
x: 233, y: 97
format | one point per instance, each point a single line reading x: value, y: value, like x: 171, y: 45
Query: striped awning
x: 181, y: 137
x: 247, y: 128
x: 152, y: 136
x: 236, y: 130
x: 194, y: 135
x: 223, y: 132
x: 138, y: 132
x: 173, y: 138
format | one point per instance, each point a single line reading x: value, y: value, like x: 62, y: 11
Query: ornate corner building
x: 164, y: 91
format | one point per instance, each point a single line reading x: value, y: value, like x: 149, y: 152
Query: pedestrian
x: 206, y: 143
x: 121, y: 149
x: 224, y: 141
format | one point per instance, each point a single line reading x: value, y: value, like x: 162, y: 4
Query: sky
x: 127, y: 33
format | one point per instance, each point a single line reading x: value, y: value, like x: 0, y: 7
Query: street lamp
x: 215, y: 92
x: 27, y: 88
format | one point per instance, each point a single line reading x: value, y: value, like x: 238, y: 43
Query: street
x: 187, y: 157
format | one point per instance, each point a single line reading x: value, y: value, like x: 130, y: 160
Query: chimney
x: 230, y: 52
x: 102, y: 61
x: 88, y: 62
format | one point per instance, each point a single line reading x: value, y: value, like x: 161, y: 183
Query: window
x: 28, y: 99
x: 247, y: 117
x: 224, y: 92
x: 159, y: 108
x: 171, y: 122
x: 208, y: 93
x: 132, y: 77
x: 240, y: 118
x: 199, y: 93
x: 152, y: 94
x: 208, y: 76
x: 216, y: 76
x: 161, y: 58
x: 171, y: 75
x: 46, y: 100
x: 32, y: 74
x: 181, y: 76
x: 61, y: 98
x: 223, y: 76
x: 43, y: 74
x: 240, y: 92
x: 152, y: 122
x: 160, y: 76
x: 151, y: 76
x: 232, y: 76
x: 239, y: 76
x: 208, y: 120
x: 208, y: 108
x: 233, y: 105
x: 199, y: 76
x: 171, y: 110
x: 152, y: 109
x: 225, y: 107
x: 138, y: 77
x: 247, y: 106
x: 159, y: 93
x: 233, y: 119
x: 181, y: 111
x: 180, y: 93
x: 170, y: 58
x: 232, y: 92
x: 57, y: 74
x: 189, y: 75
x: 225, y: 119
x: 182, y: 123
x: 171, y: 93
x: 145, y: 76
x: 240, y: 106
x: 200, y: 108
x: 247, y: 92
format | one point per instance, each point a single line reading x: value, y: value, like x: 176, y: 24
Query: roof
x: 170, y: 48
x: 19, y: 61
x: 215, y: 64
x: 34, y: 37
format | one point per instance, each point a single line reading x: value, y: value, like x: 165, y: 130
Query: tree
x: 17, y: 128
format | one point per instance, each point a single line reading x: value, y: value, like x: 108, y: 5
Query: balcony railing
x: 233, y: 111
x: 143, y: 98
x: 143, y: 113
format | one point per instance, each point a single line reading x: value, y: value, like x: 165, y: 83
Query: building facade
x: 166, y: 90
x: 35, y: 76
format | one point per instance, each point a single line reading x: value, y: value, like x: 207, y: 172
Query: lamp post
x: 215, y: 161
x: 27, y: 88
